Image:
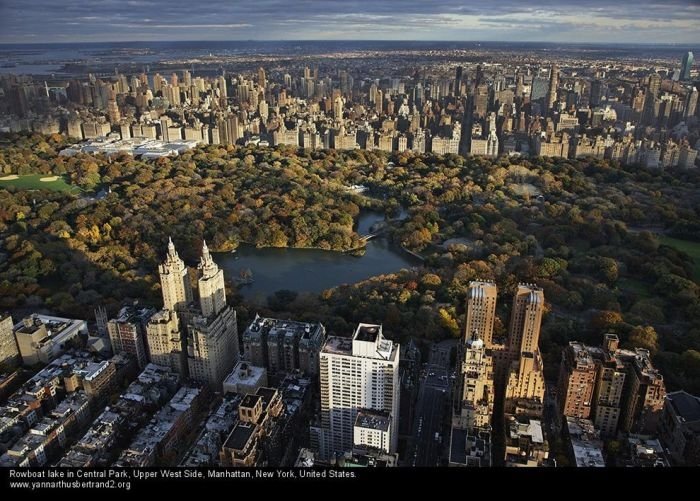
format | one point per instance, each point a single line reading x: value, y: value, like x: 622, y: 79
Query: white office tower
x: 357, y: 374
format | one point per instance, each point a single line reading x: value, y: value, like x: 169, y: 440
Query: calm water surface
x: 312, y: 270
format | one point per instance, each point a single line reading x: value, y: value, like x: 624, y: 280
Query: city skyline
x: 333, y: 254
x: 544, y: 21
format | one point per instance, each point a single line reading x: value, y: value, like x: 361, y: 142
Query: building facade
x: 174, y: 281
x: 525, y: 384
x: 127, y: 333
x: 165, y: 342
x: 9, y: 354
x: 577, y: 377
x: 358, y: 373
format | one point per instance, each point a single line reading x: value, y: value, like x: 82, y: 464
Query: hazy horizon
x: 544, y: 21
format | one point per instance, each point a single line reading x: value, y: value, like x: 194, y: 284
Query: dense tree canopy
x: 587, y: 231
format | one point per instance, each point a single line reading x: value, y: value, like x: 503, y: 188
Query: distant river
x: 312, y: 270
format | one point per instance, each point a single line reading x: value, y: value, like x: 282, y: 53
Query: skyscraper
x: 355, y: 374
x: 212, y: 332
x: 481, y: 311
x: 126, y: 333
x: 576, y: 381
x: 525, y: 384
x: 262, y: 79
x: 597, y: 92
x: 539, y: 88
x: 212, y: 292
x: 691, y: 102
x: 9, y: 354
x: 174, y: 281
x: 476, y: 398
x: 525, y: 319
x: 458, y: 82
x: 553, y: 86
x: 654, y: 84
x: 165, y: 341
x: 686, y: 65
x: 609, y: 388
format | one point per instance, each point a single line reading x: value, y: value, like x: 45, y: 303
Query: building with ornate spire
x: 477, y: 395
x: 212, y: 332
x: 212, y: 292
x: 174, y: 281
x: 197, y: 337
x: 474, y: 391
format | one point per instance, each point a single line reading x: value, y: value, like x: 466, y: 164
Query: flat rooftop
x: 267, y: 395
x: 132, y: 314
x: 375, y: 420
x: 250, y: 401
x: 338, y: 346
x: 587, y: 455
x: 278, y: 327
x: 239, y: 437
x: 244, y: 372
x: 686, y: 405
x: 57, y: 328
x: 527, y: 428
x: 469, y: 449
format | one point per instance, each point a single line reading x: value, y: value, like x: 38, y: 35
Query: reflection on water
x: 312, y: 270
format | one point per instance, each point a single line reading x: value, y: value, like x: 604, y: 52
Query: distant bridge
x: 370, y: 236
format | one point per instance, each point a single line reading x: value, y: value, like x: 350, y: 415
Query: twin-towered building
x: 195, y: 334
x: 512, y: 367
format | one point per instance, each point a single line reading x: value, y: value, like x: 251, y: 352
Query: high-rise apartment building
x: 618, y: 388
x: 680, y: 428
x: 481, y: 311
x: 526, y: 319
x: 609, y: 387
x: 686, y: 65
x: 283, y: 345
x: 475, y: 405
x: 691, y: 102
x: 212, y: 332
x: 645, y: 392
x: 373, y: 431
x: 654, y: 84
x: 458, y: 81
x: 126, y: 333
x: 165, y: 341
x: 175, y: 281
x: 9, y: 354
x: 212, y: 292
x: 553, y: 86
x: 475, y: 388
x: 355, y: 374
x: 262, y: 79
x: 525, y: 383
x: 577, y: 378
x: 212, y: 347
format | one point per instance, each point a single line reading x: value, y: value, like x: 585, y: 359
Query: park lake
x: 313, y: 270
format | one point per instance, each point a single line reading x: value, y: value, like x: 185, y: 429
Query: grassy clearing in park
x: 34, y: 182
x: 690, y: 248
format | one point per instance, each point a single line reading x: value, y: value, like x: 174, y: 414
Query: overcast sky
x: 670, y: 21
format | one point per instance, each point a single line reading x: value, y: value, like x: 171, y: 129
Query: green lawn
x: 33, y: 182
x: 690, y: 248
